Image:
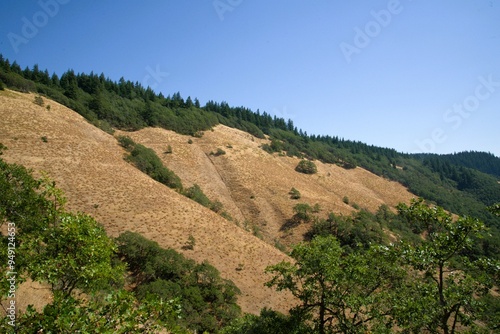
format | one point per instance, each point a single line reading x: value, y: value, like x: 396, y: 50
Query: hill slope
x: 253, y: 186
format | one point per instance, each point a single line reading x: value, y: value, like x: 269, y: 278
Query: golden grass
x: 253, y: 186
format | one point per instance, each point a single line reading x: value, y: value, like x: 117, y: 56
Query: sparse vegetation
x: 134, y: 107
x: 44, y: 139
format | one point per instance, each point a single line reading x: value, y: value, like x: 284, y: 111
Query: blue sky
x: 414, y: 75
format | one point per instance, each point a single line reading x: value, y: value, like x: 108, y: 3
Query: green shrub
x: 38, y: 100
x: 126, y: 142
x: 345, y: 200
x: 294, y: 193
x: 146, y: 160
x: 303, y: 211
x: 216, y: 206
x: 104, y: 126
x: 219, y: 151
x: 306, y: 167
x: 196, y: 194
x: 190, y: 243
x: 208, y: 302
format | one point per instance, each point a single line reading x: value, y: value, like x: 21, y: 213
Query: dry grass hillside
x: 253, y: 186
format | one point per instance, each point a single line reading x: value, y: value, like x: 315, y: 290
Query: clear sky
x: 414, y: 75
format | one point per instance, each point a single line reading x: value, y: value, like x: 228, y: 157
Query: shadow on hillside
x: 291, y: 223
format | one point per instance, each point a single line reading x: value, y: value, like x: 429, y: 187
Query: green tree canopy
x: 339, y: 293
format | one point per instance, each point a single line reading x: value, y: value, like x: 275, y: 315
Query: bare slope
x: 88, y: 165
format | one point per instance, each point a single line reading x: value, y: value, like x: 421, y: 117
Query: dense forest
x: 347, y: 275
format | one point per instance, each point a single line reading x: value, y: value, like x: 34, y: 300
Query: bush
x: 2, y: 87
x: 303, y: 211
x: 219, y: 151
x: 146, y: 160
x: 306, y: 167
x: 196, y: 194
x: 294, y: 193
x: 126, y: 142
x: 38, y: 101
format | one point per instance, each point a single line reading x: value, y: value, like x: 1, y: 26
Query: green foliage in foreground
x: 73, y: 254
x: 268, y: 322
x: 116, y: 312
x: 208, y: 302
x: 431, y: 286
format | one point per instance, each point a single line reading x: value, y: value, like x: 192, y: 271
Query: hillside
x: 253, y: 186
x: 460, y: 183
